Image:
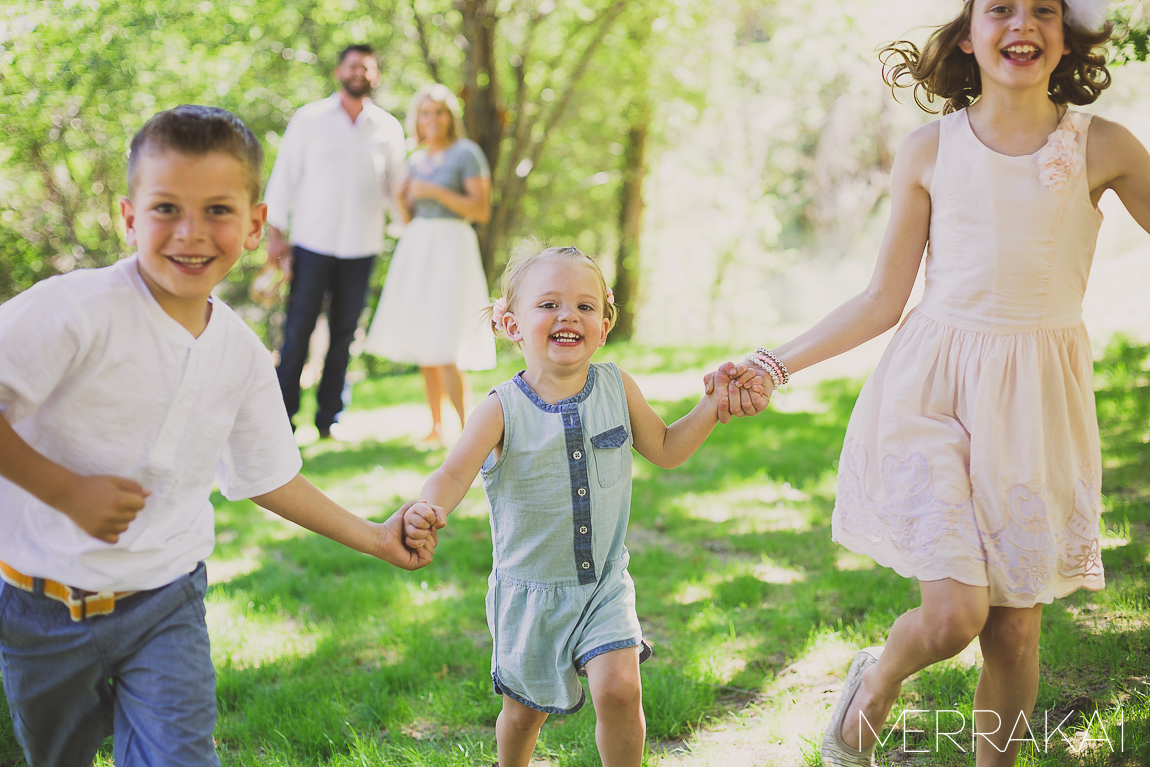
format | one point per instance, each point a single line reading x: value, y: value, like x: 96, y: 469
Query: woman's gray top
x: 449, y: 168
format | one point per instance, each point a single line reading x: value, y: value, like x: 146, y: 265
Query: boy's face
x: 190, y: 217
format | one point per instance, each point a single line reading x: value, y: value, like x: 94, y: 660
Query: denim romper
x: 560, y: 495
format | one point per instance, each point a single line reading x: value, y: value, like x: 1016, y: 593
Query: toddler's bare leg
x: 617, y: 693
x: 1008, y: 683
x: 951, y: 616
x: 516, y: 731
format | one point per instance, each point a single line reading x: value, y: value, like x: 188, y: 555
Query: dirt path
x: 781, y: 727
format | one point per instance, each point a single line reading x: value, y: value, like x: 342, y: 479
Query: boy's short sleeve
x: 261, y: 454
x: 40, y: 338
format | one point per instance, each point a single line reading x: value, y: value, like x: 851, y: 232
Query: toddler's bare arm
x: 451, y: 481
x: 669, y: 446
x: 102, y: 506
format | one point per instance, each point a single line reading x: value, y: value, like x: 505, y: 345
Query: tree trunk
x: 483, y: 113
x: 630, y: 226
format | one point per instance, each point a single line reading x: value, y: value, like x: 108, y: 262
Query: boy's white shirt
x: 97, y: 377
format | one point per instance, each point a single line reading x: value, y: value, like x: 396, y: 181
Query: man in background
x: 340, y: 163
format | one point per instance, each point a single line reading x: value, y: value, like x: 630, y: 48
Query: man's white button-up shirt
x: 332, y: 178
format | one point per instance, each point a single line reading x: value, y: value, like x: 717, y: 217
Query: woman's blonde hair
x: 529, y: 253
x: 942, y: 70
x: 443, y: 95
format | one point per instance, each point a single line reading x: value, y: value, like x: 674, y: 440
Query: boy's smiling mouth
x: 1021, y: 52
x: 566, y: 338
x: 191, y: 263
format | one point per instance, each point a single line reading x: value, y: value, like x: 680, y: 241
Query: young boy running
x: 125, y: 392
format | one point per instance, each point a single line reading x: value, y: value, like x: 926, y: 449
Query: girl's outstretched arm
x: 879, y: 307
x: 1116, y: 160
x: 668, y: 446
x: 450, y: 482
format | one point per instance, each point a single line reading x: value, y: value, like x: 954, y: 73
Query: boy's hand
x: 103, y: 506
x: 420, y: 523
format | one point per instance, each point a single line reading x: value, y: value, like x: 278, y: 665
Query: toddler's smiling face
x: 558, y: 315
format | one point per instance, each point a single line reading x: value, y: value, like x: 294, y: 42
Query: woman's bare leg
x: 1008, y: 684
x: 433, y: 388
x: 617, y: 692
x: 951, y: 616
x: 516, y: 731
x: 455, y: 381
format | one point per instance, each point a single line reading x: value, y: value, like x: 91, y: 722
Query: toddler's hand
x: 421, y: 520
x: 392, y: 548
x: 103, y: 506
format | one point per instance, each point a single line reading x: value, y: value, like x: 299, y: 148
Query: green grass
x: 326, y: 657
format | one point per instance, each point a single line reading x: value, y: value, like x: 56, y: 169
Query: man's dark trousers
x: 315, y: 275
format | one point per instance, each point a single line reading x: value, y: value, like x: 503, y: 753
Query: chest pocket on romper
x: 609, y: 455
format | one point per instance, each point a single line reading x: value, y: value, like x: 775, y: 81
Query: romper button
x: 577, y: 455
x: 586, y: 565
x: 582, y: 491
x: 583, y: 531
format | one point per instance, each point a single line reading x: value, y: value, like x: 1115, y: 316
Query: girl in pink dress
x: 972, y: 458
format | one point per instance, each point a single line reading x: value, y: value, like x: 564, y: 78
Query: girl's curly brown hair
x: 942, y: 70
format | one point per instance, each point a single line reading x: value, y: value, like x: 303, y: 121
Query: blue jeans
x: 314, y: 276
x: 142, y: 673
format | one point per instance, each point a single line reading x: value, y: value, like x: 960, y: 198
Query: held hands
x: 421, y: 523
x: 103, y: 506
x: 415, y: 549
x: 742, y: 390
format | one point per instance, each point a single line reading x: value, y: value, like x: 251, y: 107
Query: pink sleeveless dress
x: 973, y: 450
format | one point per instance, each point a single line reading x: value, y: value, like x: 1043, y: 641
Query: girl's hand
x: 421, y: 520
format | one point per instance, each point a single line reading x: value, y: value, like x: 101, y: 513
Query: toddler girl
x: 972, y: 458
x: 553, y: 446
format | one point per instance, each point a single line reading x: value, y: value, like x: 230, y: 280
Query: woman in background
x: 430, y: 311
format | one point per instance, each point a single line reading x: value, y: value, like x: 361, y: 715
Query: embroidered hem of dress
x: 1031, y: 560
x: 860, y: 546
x: 644, y: 654
x: 501, y: 690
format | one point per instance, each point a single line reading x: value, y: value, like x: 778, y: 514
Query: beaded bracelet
x: 782, y: 366
x: 764, y: 363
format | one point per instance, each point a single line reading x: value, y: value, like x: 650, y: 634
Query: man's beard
x: 355, y: 90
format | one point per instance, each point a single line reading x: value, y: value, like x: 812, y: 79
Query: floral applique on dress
x: 1061, y: 159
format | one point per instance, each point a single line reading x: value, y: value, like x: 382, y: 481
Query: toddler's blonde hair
x: 528, y: 254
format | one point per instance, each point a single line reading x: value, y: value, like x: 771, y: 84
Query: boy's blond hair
x: 526, y: 255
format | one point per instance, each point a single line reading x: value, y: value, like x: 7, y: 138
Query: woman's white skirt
x: 431, y: 311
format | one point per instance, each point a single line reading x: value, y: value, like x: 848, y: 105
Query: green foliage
x: 77, y: 79
x: 1122, y: 394
x: 1131, y: 37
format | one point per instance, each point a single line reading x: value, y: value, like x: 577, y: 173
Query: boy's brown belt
x: 81, y: 604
